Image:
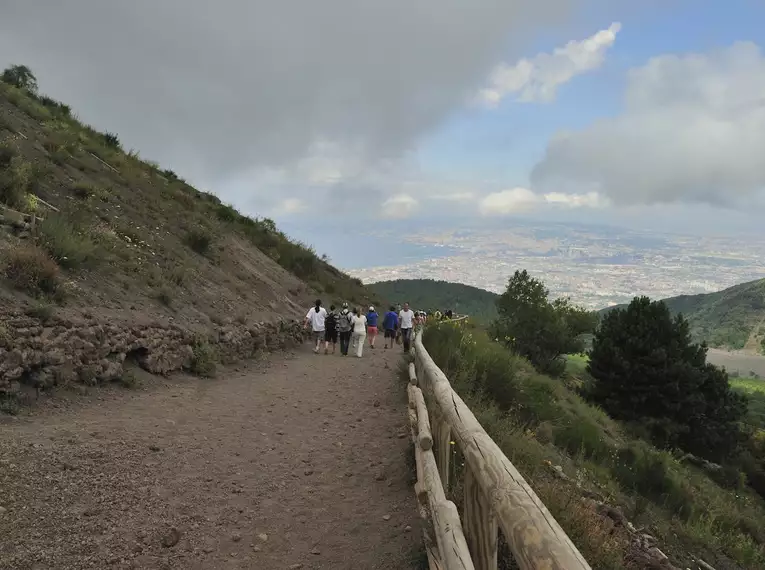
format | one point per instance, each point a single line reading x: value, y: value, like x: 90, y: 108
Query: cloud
x: 692, y: 131
x: 537, y: 79
x: 399, y: 207
x: 221, y: 90
x: 511, y: 201
x: 520, y: 200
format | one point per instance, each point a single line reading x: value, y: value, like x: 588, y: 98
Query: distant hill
x: 427, y: 294
x: 731, y: 318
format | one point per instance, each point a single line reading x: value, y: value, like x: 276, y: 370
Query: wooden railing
x: 495, y: 493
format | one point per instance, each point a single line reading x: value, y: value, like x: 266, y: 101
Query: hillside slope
x: 730, y: 318
x: 126, y: 244
x: 430, y: 294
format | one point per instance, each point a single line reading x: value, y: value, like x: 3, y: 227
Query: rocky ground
x: 296, y: 461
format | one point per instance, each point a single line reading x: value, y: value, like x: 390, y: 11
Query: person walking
x: 406, y: 323
x: 344, y: 326
x: 317, y: 316
x: 390, y: 325
x: 359, y: 331
x: 398, y: 330
x: 331, y: 329
x: 372, y: 318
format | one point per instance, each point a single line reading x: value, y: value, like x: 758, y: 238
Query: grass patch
x: 199, y: 241
x: 32, y: 270
x: 41, y: 311
x: 66, y: 244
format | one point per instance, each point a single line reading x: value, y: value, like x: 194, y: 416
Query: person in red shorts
x: 372, y: 318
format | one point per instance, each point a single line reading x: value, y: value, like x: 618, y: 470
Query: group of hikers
x: 353, y: 327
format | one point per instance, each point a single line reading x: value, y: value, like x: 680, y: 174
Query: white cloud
x: 538, y: 78
x: 519, y: 200
x: 590, y: 199
x: 399, y: 206
x: 693, y: 131
x: 510, y: 201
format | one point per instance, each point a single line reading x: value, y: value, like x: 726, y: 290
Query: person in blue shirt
x: 390, y: 324
x: 372, y: 317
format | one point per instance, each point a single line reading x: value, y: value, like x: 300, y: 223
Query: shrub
x: 86, y: 190
x: 111, y: 140
x: 30, y: 269
x: 68, y: 246
x: 41, y: 311
x: 15, y: 176
x: 203, y: 361
x: 199, y: 241
x: 226, y: 213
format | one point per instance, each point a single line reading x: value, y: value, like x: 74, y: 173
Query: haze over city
x: 427, y: 124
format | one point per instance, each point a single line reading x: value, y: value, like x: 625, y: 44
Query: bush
x: 204, y: 359
x: 226, y: 213
x: 41, y: 311
x: 15, y: 176
x: 68, y: 246
x: 112, y: 141
x: 199, y: 241
x: 30, y: 269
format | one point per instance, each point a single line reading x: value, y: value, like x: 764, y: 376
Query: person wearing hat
x: 372, y: 318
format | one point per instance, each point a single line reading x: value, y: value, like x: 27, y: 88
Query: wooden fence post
x: 442, y: 437
x: 480, y: 525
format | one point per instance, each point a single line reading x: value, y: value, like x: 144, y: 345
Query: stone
x: 315, y: 550
x: 171, y: 538
x: 263, y: 537
x: 236, y: 537
x: 386, y: 517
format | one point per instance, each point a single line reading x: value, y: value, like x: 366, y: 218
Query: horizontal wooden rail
x: 495, y: 493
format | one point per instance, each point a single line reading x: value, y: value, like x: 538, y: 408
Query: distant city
x: 596, y: 267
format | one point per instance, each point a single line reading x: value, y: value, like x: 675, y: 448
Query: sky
x: 649, y: 116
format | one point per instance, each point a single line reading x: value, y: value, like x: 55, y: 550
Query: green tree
x: 532, y: 326
x: 647, y: 370
x: 20, y: 76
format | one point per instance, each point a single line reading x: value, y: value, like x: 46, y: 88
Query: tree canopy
x: 20, y: 76
x: 646, y: 369
x: 537, y: 328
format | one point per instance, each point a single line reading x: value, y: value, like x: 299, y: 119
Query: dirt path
x: 297, y: 463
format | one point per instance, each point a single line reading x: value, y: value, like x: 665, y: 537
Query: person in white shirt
x: 406, y: 322
x: 317, y: 315
x: 359, y: 331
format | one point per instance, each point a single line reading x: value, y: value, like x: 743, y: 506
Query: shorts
x: 390, y: 333
x: 331, y: 336
x: 318, y: 335
x: 372, y: 331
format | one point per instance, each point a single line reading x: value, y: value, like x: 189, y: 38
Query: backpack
x: 330, y: 322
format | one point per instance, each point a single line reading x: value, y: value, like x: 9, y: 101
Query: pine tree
x: 647, y: 370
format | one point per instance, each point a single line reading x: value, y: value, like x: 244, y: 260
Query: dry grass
x: 32, y: 270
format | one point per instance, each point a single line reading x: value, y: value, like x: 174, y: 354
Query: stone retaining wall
x: 58, y: 351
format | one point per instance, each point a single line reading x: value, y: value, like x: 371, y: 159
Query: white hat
x: 371, y: 308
